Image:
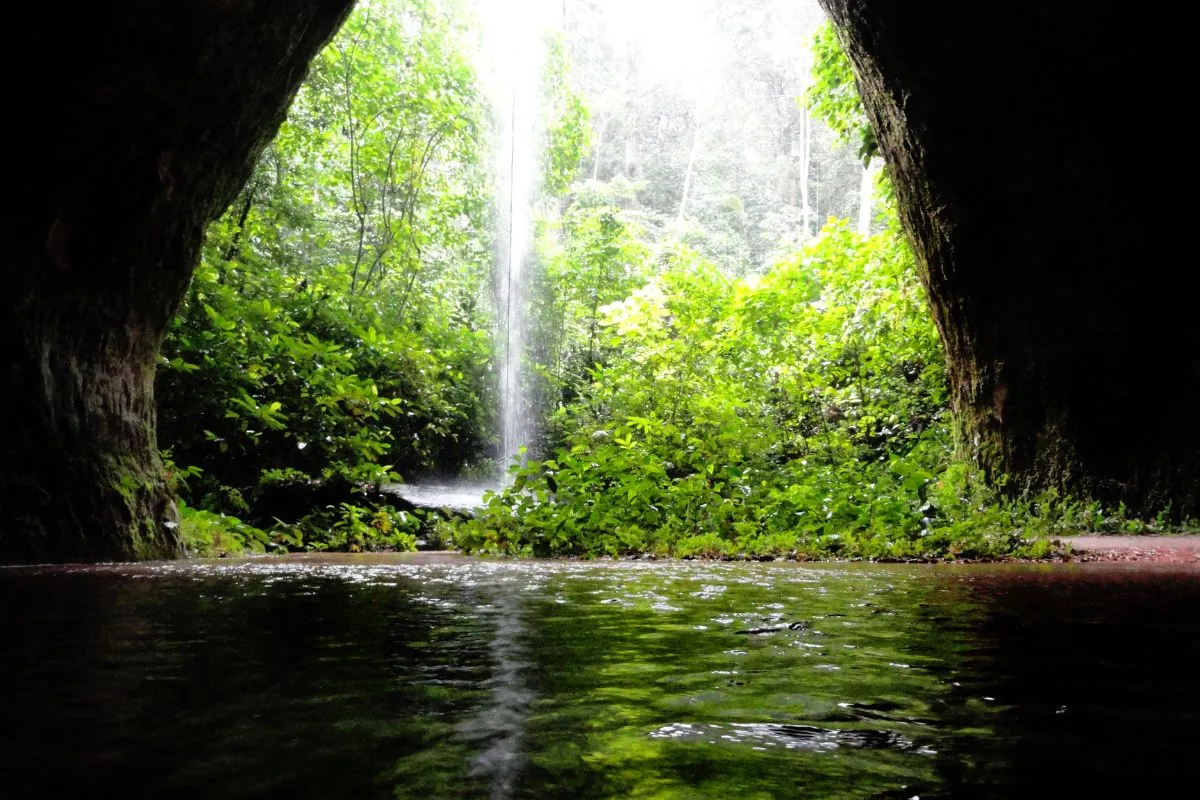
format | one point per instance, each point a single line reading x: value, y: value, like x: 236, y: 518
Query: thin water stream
x: 444, y: 677
x: 511, y: 66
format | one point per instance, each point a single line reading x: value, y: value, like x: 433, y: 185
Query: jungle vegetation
x: 730, y: 350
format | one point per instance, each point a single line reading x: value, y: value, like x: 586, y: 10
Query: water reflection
x: 499, y: 724
x: 1086, y: 676
x: 543, y: 680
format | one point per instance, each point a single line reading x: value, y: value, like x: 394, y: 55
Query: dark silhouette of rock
x: 1023, y: 139
x: 138, y: 123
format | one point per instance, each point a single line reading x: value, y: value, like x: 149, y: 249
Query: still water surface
x: 455, y: 678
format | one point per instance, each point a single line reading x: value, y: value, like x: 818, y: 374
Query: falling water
x: 518, y: 141
x: 515, y: 54
x: 509, y: 66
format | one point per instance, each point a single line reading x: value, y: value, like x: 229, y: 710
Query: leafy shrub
x: 336, y: 333
x: 356, y: 529
x: 209, y: 535
x: 799, y: 414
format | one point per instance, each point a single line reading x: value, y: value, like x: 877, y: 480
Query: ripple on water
x: 791, y: 737
x: 375, y: 676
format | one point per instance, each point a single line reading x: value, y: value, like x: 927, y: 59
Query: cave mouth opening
x: 1073, y: 360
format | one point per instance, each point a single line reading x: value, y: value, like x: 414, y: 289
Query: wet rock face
x: 137, y: 122
x: 1016, y: 135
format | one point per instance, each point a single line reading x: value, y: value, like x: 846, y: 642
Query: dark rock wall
x: 132, y: 124
x: 1031, y: 149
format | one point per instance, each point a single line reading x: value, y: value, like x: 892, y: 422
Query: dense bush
x: 802, y: 414
x: 268, y: 380
x: 337, y: 333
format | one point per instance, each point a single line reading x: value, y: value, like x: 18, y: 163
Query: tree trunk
x: 598, y: 149
x: 866, y: 196
x: 149, y: 117
x: 687, y: 174
x: 805, y: 171
x: 1067, y: 314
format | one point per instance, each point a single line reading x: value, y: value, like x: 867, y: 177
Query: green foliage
x: 347, y: 527
x: 337, y: 330
x: 566, y: 122
x: 592, y: 256
x: 354, y: 528
x: 338, y: 335
x: 299, y: 383
x: 799, y: 414
x: 834, y: 96
x: 209, y: 535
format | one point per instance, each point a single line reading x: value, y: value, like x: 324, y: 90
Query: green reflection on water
x: 578, y: 681
x: 730, y: 682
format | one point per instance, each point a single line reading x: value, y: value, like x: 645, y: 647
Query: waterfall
x: 515, y: 49
x: 517, y: 186
x: 509, y: 63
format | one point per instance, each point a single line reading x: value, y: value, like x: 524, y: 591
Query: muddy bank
x: 1184, y: 548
